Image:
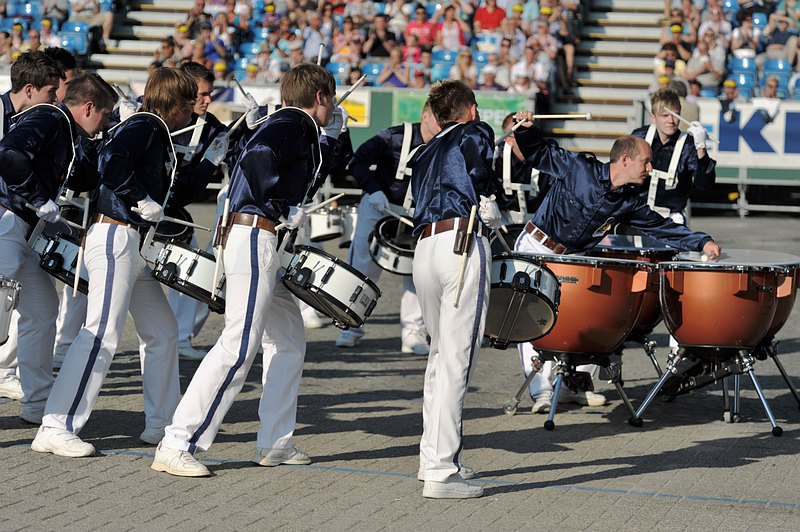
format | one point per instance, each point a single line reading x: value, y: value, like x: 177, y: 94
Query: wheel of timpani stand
x: 643, y: 248
x: 600, y: 301
x: 724, y: 305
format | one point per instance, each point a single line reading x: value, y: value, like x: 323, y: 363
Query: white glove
x: 296, y: 218
x: 216, y: 150
x: 150, y: 210
x: 50, y: 212
x: 253, y: 115
x: 334, y: 127
x: 699, y: 134
x: 345, y: 118
x: 378, y: 201
x: 127, y: 107
x: 489, y: 212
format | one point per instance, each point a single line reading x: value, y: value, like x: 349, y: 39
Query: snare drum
x: 510, y: 234
x: 523, y: 302
x: 729, y: 303
x: 191, y: 272
x: 391, y: 246
x: 635, y: 247
x: 60, y: 259
x: 349, y: 219
x: 50, y: 230
x: 9, y: 299
x: 325, y: 224
x: 331, y: 286
x: 600, y: 301
x: 167, y: 232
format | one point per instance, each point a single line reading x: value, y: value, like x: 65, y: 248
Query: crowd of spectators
x: 726, y: 49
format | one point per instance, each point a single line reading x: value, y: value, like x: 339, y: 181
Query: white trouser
x: 258, y: 309
x: 542, y: 381
x: 38, y: 307
x: 456, y: 334
x: 71, y: 317
x: 187, y: 310
x: 119, y: 281
x: 368, y: 218
x: 8, y: 351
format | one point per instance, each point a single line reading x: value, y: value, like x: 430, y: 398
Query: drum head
x: 391, y: 231
x: 633, y: 247
x: 166, y: 231
x: 522, y: 317
x: 591, y: 261
x: 510, y: 234
x: 742, y: 257
x: 68, y: 212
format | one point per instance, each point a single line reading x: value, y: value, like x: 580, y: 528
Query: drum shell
x: 325, y: 224
x: 349, y: 215
x: 9, y: 300
x: 58, y: 258
x: 717, y: 307
x: 600, y: 303
x: 191, y: 272
x: 785, y: 303
x: 391, y: 246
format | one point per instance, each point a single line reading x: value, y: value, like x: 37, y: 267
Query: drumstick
x: 235, y: 125
x: 350, y: 90
x: 220, y: 249
x: 576, y: 116
x: 62, y: 220
x: 319, y: 55
x: 200, y: 123
x: 502, y: 240
x: 399, y: 217
x: 464, y: 256
x: 313, y: 208
x: 711, y: 137
x: 241, y: 89
x: 178, y: 221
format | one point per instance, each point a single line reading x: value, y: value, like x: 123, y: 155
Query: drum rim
x: 641, y: 251
x: 553, y: 308
x: 338, y: 304
x: 215, y: 305
x: 588, y: 259
x: 338, y: 262
x: 203, y: 253
x: 718, y: 267
x: 377, y: 234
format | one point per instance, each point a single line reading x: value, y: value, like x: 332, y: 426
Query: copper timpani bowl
x: 600, y: 301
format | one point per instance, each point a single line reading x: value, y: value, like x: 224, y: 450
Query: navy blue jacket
x: 383, y: 151
x: 691, y: 171
x: 8, y: 111
x: 520, y: 173
x: 451, y: 172
x: 34, y: 157
x: 195, y: 172
x: 134, y: 163
x: 580, y: 207
x: 276, y: 168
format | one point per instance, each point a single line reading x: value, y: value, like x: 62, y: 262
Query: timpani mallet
x: 567, y: 116
x: 464, y: 256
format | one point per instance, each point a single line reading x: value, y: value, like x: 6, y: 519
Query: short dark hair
x: 62, y: 56
x: 450, y: 100
x: 299, y: 86
x: 198, y: 71
x: 625, y: 145
x: 678, y: 87
x: 90, y: 88
x: 37, y: 69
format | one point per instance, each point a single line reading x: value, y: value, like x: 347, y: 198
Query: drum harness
x: 670, y: 181
x: 189, y: 150
x: 520, y: 188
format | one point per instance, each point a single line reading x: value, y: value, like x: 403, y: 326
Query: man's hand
x: 251, y: 106
x: 712, y: 250
x: 150, y: 210
x: 296, y: 218
x: 526, y: 117
x: 378, y: 201
x: 217, y: 150
x: 489, y: 212
x: 699, y: 134
x: 334, y: 127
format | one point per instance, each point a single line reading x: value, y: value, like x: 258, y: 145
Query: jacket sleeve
x: 477, y: 147
x: 369, y: 154
x: 545, y: 155
x: 116, y: 163
x: 665, y: 230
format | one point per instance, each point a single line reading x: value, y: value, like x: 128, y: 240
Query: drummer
x: 680, y: 159
x: 587, y: 198
x: 380, y: 165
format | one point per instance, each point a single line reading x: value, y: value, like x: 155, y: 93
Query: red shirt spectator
x: 488, y: 17
x: 422, y: 28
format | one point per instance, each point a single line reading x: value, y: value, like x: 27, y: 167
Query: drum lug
x: 641, y: 280
x: 521, y: 281
x: 355, y: 293
x: 168, y: 272
x: 597, y: 278
x: 302, y: 278
x: 785, y: 288
x: 52, y: 262
x: 740, y: 283
x: 327, y: 275
x: 368, y: 312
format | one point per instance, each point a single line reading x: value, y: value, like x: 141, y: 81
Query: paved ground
x: 359, y: 418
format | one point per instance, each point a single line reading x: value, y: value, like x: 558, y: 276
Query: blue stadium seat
x: 380, y: 8
x: 777, y: 66
x: 75, y: 37
x: 730, y: 7
x: 340, y: 71
x: 15, y: 9
x: 759, y: 20
x: 250, y: 49
x: 795, y: 88
x: 709, y: 93
x: 440, y: 72
x: 479, y: 58
x: 258, y: 7
x: 746, y: 83
x: 783, y: 83
x: 444, y: 56
x: 261, y: 34
x: 105, y: 5
x: 745, y: 65
x: 372, y: 70
x: 430, y: 9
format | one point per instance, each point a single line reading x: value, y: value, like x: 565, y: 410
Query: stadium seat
x: 106, y: 6
x: 340, y: 71
x: 250, y: 49
x: 380, y: 8
x: 794, y: 86
x: 444, y: 56
x: 746, y: 83
x: 709, y: 93
x: 440, y: 72
x: 730, y: 7
x: 783, y: 84
x: 487, y: 42
x: 372, y: 70
x: 258, y: 7
x: 759, y: 20
x: 260, y: 34
x: 480, y: 58
x: 777, y: 66
x: 75, y: 37
x: 746, y: 65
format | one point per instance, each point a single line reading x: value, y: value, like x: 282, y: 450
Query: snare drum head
x: 68, y: 212
x: 510, y: 233
x: 391, y: 230
x: 166, y: 231
x: 742, y: 257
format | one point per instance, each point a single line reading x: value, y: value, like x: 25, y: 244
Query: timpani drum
x: 600, y: 302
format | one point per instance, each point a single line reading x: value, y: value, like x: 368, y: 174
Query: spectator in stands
x: 5, y: 48
x: 362, y: 11
x: 34, y: 42
x: 505, y: 58
x: 694, y: 91
x: 222, y: 31
x: 690, y: 111
x: 344, y: 37
x: 398, y: 12
x: 328, y: 23
x: 676, y: 18
x: 425, y: 64
x: 780, y: 37
x: 394, y: 73
x: 488, y: 17
x: 693, y: 15
x: 522, y: 85
x: 719, y: 24
x: 199, y: 54
x: 770, y: 88
x: 489, y: 83
x: 183, y: 44
x: 166, y: 53
x: 452, y: 31
x: 197, y: 15
x: 271, y: 17
x: 412, y: 52
x: 355, y: 73
x: 569, y: 33
x: 547, y: 41
x: 707, y: 64
x: 793, y: 11
x: 464, y: 70
x: 419, y: 80
x: 728, y: 99
x: 220, y: 70
x: 55, y: 11
x: 668, y: 53
x: 89, y: 11
x: 683, y: 47
x: 48, y: 37
x: 313, y: 38
x: 667, y: 71
x: 745, y: 38
x: 511, y: 30
x: 380, y: 40
x: 351, y: 52
x: 424, y: 29
x: 17, y: 36
x: 214, y: 48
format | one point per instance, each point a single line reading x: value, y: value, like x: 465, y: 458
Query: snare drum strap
x: 668, y: 177
x: 405, y: 147
x: 409, y: 200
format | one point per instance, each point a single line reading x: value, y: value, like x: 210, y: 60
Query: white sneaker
x: 453, y: 487
x: 415, y: 342
x: 273, y: 457
x: 543, y: 402
x: 58, y: 360
x: 32, y: 415
x: 191, y: 353
x: 312, y: 320
x: 60, y: 442
x: 348, y: 339
x: 582, y: 398
x: 465, y: 472
x: 152, y: 436
x: 11, y: 388
x: 178, y: 463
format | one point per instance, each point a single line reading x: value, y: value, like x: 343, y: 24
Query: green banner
x: 493, y: 107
